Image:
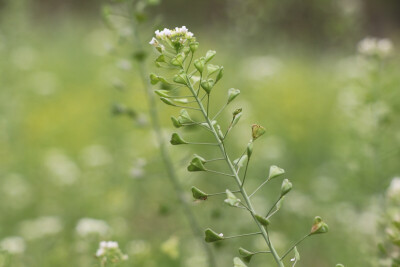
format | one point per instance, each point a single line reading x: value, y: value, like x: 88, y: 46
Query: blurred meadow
x: 75, y: 170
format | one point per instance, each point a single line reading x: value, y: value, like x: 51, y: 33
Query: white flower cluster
x: 110, y: 249
x: 13, y: 245
x: 180, y: 35
x: 373, y: 46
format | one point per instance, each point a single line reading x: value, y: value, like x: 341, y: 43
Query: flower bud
x: 210, y: 55
x: 199, y: 64
x: 175, y: 122
x: 319, y: 226
x: 194, y: 46
x: 198, y: 194
x: 177, y: 140
x: 249, y: 149
x: 245, y: 254
x: 257, y: 131
x: 207, y: 85
x: 212, y: 236
x: 197, y: 164
x: 238, y: 263
x: 180, y: 78
x: 232, y: 94
x: 286, y: 187
x: 275, y: 171
x: 264, y: 221
x: 231, y: 199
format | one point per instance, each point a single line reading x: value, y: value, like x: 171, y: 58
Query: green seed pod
x: 167, y: 101
x: 154, y: 79
x: 161, y: 59
x: 286, y: 187
x: 249, y: 149
x: 245, y: 254
x: 212, y: 68
x: 264, y: 221
x: 210, y: 55
x: 232, y: 94
x: 198, y: 194
x: 240, y: 161
x: 207, y: 85
x: 231, y: 199
x: 177, y: 140
x: 196, y: 165
x: 199, y: 64
x: 162, y: 93
x: 220, y: 74
x: 319, y: 226
x: 212, y: 236
x: 178, y: 60
x: 180, y: 78
x: 236, y: 117
x: 219, y: 132
x: 257, y: 131
x: 275, y: 171
x: 194, y: 46
x: 184, y: 117
x: 175, y: 122
x: 238, y: 263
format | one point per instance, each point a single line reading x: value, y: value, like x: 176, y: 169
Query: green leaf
x: 212, y: 236
x: 198, y: 194
x: 245, y: 254
x: 319, y: 226
x: 257, y: 131
x: 275, y: 171
x: 238, y: 263
x: 177, y: 140
x: 232, y: 94
x: 231, y: 199
x: 286, y: 187
x: 197, y: 164
x: 264, y: 222
x: 210, y: 55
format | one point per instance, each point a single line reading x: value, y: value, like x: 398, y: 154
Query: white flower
x: 385, y: 46
x: 100, y: 252
x: 373, y: 46
x: 13, y: 244
x: 394, y: 188
x: 88, y: 226
x: 110, y: 249
x: 41, y: 227
x: 153, y: 42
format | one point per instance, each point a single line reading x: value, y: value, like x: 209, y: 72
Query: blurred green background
x: 72, y: 174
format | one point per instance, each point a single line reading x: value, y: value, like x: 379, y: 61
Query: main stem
x: 236, y: 176
x: 171, y: 173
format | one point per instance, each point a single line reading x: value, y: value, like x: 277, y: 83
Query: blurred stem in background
x: 140, y: 59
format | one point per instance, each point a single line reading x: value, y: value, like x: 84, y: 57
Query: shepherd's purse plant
x: 190, y: 87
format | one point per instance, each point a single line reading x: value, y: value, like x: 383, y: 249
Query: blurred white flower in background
x: 124, y: 64
x: 109, y: 251
x: 98, y: 42
x: 370, y: 46
x: 139, y: 248
x: 90, y: 226
x: 16, y: 190
x: 43, y: 82
x: 23, y: 57
x: 171, y: 247
x: 63, y: 170
x: 95, y: 155
x: 40, y: 227
x: 259, y: 68
x: 137, y: 171
x: 13, y: 245
x: 394, y: 188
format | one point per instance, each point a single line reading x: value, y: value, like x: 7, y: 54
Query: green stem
x: 171, y: 173
x: 237, y: 178
x: 290, y: 249
x: 236, y: 236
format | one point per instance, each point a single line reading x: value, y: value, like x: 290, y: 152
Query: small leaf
x: 264, y: 222
x: 232, y: 94
x: 257, y: 131
x: 231, y: 199
x: 245, y: 254
x: 197, y: 164
x: 275, y: 171
x: 238, y: 263
x: 210, y: 55
x: 177, y: 140
x: 319, y: 226
x: 286, y: 187
x: 212, y: 236
x: 198, y: 194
